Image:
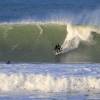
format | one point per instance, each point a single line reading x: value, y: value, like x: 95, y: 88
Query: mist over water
x: 87, y: 17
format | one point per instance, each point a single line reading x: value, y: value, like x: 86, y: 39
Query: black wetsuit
x: 57, y: 48
x: 8, y: 62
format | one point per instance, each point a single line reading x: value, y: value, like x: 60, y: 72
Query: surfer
x: 8, y: 62
x: 58, y: 48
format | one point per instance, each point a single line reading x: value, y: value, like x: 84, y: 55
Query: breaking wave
x: 77, y: 34
x: 35, y: 41
x: 47, y: 83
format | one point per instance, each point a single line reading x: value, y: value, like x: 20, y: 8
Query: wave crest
x: 77, y: 34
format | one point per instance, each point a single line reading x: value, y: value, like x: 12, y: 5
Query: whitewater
x: 29, y: 31
x: 22, y: 38
x: 48, y: 81
x: 77, y: 34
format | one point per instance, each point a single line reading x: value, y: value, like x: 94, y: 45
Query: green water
x: 26, y: 43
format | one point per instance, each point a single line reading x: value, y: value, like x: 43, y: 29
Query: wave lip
x: 77, y: 34
x: 47, y: 83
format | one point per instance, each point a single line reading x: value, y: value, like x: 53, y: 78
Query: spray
x: 77, y: 34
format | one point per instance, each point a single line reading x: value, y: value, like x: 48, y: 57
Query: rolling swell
x: 35, y: 42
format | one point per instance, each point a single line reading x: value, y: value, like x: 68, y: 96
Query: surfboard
x: 58, y: 53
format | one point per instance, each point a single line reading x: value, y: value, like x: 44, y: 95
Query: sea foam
x: 47, y: 83
x: 77, y: 34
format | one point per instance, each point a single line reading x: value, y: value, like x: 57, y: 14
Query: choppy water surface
x: 49, y: 81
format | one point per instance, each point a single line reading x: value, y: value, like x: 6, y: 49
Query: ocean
x: 29, y: 31
x: 78, y: 12
x: 49, y: 81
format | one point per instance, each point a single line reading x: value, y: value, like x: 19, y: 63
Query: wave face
x: 34, y: 42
